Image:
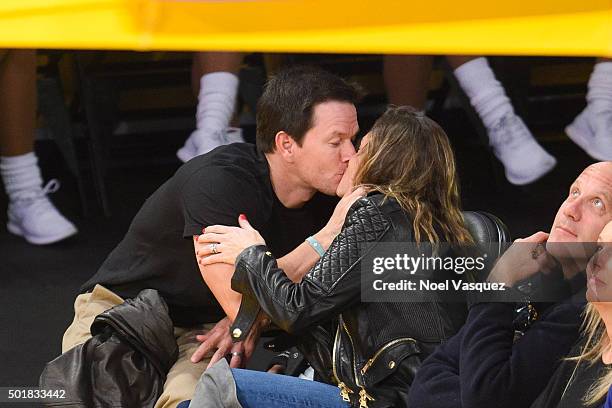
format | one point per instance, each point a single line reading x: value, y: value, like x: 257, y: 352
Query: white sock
x: 216, y: 100
x: 599, y: 95
x: 20, y: 174
x: 486, y: 93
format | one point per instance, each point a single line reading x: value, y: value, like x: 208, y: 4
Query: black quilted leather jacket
x: 371, y: 351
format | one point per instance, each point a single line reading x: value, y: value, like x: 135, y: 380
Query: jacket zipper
x: 344, y: 389
x: 371, y: 361
x: 364, y: 397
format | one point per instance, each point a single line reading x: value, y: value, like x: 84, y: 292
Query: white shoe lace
x: 225, y: 138
x: 37, y: 201
x: 602, y: 121
x: 233, y: 135
x: 508, y: 131
x: 216, y: 138
x: 220, y: 135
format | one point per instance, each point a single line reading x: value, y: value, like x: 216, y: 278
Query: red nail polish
x: 243, y: 217
x: 203, y: 230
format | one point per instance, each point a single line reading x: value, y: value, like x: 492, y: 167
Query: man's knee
x: 180, y: 385
x: 184, y: 375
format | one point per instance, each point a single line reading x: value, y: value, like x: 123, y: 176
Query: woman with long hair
x: 363, y: 353
x: 584, y: 378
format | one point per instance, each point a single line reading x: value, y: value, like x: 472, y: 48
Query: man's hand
x: 335, y: 223
x: 525, y: 258
x: 216, y: 338
x: 219, y: 338
x: 276, y: 369
x: 222, y: 244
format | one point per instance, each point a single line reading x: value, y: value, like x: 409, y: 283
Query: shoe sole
x: 189, y: 150
x: 185, y: 154
x: 16, y: 230
x: 525, y: 181
x: 577, y: 135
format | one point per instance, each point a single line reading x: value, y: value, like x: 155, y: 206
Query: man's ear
x: 285, y: 146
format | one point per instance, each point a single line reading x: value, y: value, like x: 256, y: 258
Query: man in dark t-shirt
x: 306, y: 124
x: 152, y: 255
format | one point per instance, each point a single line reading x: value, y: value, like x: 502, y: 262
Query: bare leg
x: 407, y: 79
x: 455, y: 61
x: 17, y: 102
x: 208, y: 62
x: 30, y: 213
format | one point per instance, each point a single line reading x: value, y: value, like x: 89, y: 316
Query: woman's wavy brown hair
x: 408, y: 157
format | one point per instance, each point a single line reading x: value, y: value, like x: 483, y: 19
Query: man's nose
x: 572, y: 210
x: 348, y: 151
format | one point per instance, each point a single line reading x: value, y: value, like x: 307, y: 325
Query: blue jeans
x: 258, y: 389
x: 608, y: 403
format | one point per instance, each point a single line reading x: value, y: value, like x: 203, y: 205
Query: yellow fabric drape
x: 541, y: 27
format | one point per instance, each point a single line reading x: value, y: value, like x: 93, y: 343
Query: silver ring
x: 213, y: 248
x: 237, y: 353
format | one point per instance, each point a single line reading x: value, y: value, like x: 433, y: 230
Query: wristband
x: 316, y: 245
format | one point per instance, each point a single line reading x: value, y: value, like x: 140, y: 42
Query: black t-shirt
x: 157, y: 251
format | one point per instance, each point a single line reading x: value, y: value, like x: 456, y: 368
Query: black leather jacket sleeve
x: 332, y: 285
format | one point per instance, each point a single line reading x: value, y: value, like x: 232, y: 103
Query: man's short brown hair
x: 288, y: 102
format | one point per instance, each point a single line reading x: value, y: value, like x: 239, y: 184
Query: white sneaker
x: 523, y: 158
x: 592, y: 133
x: 233, y: 135
x: 202, y: 141
x: 36, y: 219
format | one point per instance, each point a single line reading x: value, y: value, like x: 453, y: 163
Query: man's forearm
x: 218, y: 277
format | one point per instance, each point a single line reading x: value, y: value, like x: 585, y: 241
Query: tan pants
x: 182, y: 377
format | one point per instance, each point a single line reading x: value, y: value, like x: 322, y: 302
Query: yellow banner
x: 580, y: 28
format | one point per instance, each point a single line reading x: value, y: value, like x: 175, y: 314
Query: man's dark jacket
x: 124, y: 364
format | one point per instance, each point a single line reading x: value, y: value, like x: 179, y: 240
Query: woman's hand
x: 222, y: 244
x: 606, y: 234
x: 335, y: 223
